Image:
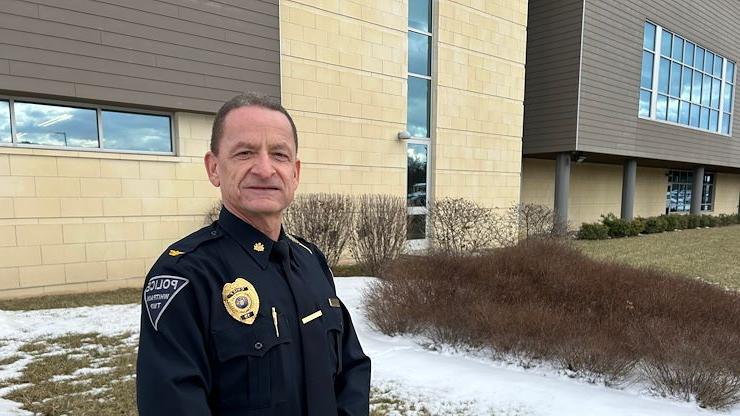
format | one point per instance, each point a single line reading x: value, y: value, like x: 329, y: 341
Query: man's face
x: 256, y: 167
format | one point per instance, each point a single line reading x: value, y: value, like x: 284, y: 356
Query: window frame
x: 427, y: 141
x: 99, y: 108
x: 654, y: 89
x: 687, y: 186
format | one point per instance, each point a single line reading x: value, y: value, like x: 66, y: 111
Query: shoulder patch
x: 158, y: 294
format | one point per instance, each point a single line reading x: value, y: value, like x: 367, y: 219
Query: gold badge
x: 259, y: 247
x: 175, y: 253
x: 241, y: 300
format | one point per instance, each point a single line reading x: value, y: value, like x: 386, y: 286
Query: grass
x: 91, y: 374
x: 709, y: 254
x: 73, y: 300
x: 78, y: 374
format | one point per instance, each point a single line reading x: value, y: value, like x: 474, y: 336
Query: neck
x: 268, y: 225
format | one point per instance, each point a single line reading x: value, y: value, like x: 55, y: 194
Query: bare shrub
x: 545, y: 300
x: 526, y: 221
x: 323, y: 219
x: 213, y: 212
x: 379, y: 233
x: 458, y: 225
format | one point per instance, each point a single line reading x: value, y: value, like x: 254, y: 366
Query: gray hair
x: 247, y: 100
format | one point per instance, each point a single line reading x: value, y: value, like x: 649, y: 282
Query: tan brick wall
x: 82, y: 221
x: 595, y: 189
x: 727, y: 193
x: 343, y: 79
x: 480, y: 96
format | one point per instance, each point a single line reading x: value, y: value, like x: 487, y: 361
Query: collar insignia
x: 241, y: 300
x: 175, y: 253
x: 259, y: 247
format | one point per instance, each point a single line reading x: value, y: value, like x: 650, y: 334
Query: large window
x: 54, y: 124
x: 418, y: 115
x: 679, y: 194
x: 684, y: 83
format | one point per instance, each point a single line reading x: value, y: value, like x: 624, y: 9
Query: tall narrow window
x: 418, y: 121
x: 683, y: 83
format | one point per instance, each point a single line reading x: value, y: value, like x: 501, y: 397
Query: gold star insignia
x: 175, y: 253
x: 259, y: 247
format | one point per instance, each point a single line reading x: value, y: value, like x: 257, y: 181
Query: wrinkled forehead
x: 256, y: 125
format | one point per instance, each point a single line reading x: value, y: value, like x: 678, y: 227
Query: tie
x: 317, y: 369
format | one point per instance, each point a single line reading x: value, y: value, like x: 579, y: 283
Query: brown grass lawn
x: 712, y: 254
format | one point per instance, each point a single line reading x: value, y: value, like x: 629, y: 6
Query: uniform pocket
x: 334, y: 329
x: 250, y: 363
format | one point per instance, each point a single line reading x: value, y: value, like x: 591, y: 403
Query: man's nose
x: 263, y: 165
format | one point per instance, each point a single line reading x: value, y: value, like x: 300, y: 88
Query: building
x: 630, y: 108
x: 106, y: 109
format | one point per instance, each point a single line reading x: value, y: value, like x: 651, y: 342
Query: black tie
x: 317, y: 369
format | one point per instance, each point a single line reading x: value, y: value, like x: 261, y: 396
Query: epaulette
x: 300, y: 241
x: 193, y: 241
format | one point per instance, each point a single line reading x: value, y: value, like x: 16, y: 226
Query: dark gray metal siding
x: 175, y: 54
x: 610, y: 79
x: 551, y: 80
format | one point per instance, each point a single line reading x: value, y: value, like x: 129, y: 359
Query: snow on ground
x: 441, y: 381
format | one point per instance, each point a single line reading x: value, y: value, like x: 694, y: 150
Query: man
x: 240, y: 317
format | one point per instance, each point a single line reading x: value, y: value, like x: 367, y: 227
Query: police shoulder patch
x: 159, y: 293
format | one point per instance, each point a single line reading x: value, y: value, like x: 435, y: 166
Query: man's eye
x: 243, y: 154
x: 281, y: 156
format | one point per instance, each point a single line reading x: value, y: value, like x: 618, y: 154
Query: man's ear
x: 211, y: 162
x: 297, y: 170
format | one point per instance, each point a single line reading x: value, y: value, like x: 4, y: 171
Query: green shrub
x: 671, y: 222
x: 636, y: 226
x: 593, y: 231
x: 727, y: 219
x: 709, y: 221
x: 654, y: 225
x: 617, y: 227
x: 693, y: 221
x: 682, y: 221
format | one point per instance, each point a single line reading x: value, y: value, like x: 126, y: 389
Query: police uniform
x: 234, y: 323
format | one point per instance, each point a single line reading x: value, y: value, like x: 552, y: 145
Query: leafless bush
x: 522, y: 222
x: 379, y: 233
x: 545, y: 300
x: 213, y: 212
x: 458, y: 225
x: 323, y: 219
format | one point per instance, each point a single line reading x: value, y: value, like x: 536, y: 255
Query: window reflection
x: 416, y: 183
x: 688, y: 56
x: 673, y: 110
x: 728, y: 98
x: 5, y: 133
x: 648, y: 40
x: 645, y: 103
x: 419, y: 59
x: 665, y: 43
x: 420, y: 15
x: 418, y: 107
x: 53, y: 125
x: 416, y: 227
x: 678, y: 196
x: 683, y: 113
x: 661, y: 107
x: 130, y: 131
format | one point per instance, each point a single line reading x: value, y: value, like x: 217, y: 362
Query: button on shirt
x: 295, y: 354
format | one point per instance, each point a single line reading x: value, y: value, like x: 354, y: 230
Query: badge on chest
x: 241, y: 300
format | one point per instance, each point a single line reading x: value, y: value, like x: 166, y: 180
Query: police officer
x: 240, y: 317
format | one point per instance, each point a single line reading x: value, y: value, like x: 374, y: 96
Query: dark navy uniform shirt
x: 197, y: 358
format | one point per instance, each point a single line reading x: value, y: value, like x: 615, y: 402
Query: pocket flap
x: 251, y: 340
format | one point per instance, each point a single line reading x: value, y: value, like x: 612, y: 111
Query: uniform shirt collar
x: 254, y: 242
